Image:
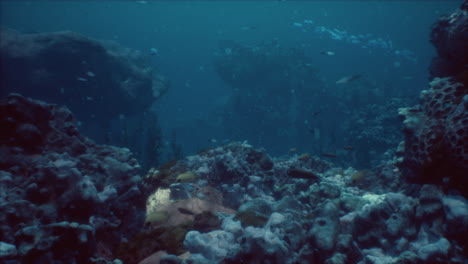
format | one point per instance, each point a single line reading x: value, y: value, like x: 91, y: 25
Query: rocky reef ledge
x: 63, y: 198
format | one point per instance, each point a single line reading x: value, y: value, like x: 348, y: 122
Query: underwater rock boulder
x: 450, y: 38
x: 96, y: 80
x: 61, y: 192
x: 436, y: 135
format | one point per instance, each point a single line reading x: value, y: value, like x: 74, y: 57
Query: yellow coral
x: 157, y: 200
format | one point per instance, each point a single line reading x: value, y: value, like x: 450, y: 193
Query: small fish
x: 329, y: 155
x: 348, y: 79
x: 297, y: 24
x: 154, y: 51
x: 348, y: 147
x: 292, y: 150
x: 302, y: 174
x: 308, y: 21
x: 185, y: 211
x: 81, y: 79
x: 328, y: 53
x: 247, y: 28
x: 90, y: 74
x: 213, y: 140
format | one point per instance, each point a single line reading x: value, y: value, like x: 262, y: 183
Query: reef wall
x: 435, y: 149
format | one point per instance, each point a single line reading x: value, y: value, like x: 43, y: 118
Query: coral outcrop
x: 435, y: 149
x: 436, y: 133
x: 64, y: 199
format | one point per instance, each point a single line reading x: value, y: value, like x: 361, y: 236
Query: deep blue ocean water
x: 385, y: 41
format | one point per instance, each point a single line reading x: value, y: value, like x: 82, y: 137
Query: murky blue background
x: 186, y: 34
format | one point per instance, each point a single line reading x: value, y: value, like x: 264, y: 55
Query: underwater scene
x: 229, y: 132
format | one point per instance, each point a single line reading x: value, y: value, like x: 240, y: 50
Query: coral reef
x: 435, y: 149
x: 62, y: 194
x: 68, y: 199
x: 436, y: 135
x: 281, y: 218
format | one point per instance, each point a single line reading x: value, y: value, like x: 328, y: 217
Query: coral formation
x: 436, y: 134
x: 61, y: 192
x: 341, y: 222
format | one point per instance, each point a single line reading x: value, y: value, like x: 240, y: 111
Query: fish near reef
x: 348, y: 79
x: 187, y: 177
x: 185, y: 211
x: 329, y: 155
x: 302, y: 174
x: 328, y: 53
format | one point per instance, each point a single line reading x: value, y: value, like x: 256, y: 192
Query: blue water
x: 186, y: 35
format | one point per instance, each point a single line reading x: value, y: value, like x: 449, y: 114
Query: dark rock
x: 170, y: 259
x: 79, y: 72
x: 450, y: 38
x: 58, y: 238
x: 348, y: 247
